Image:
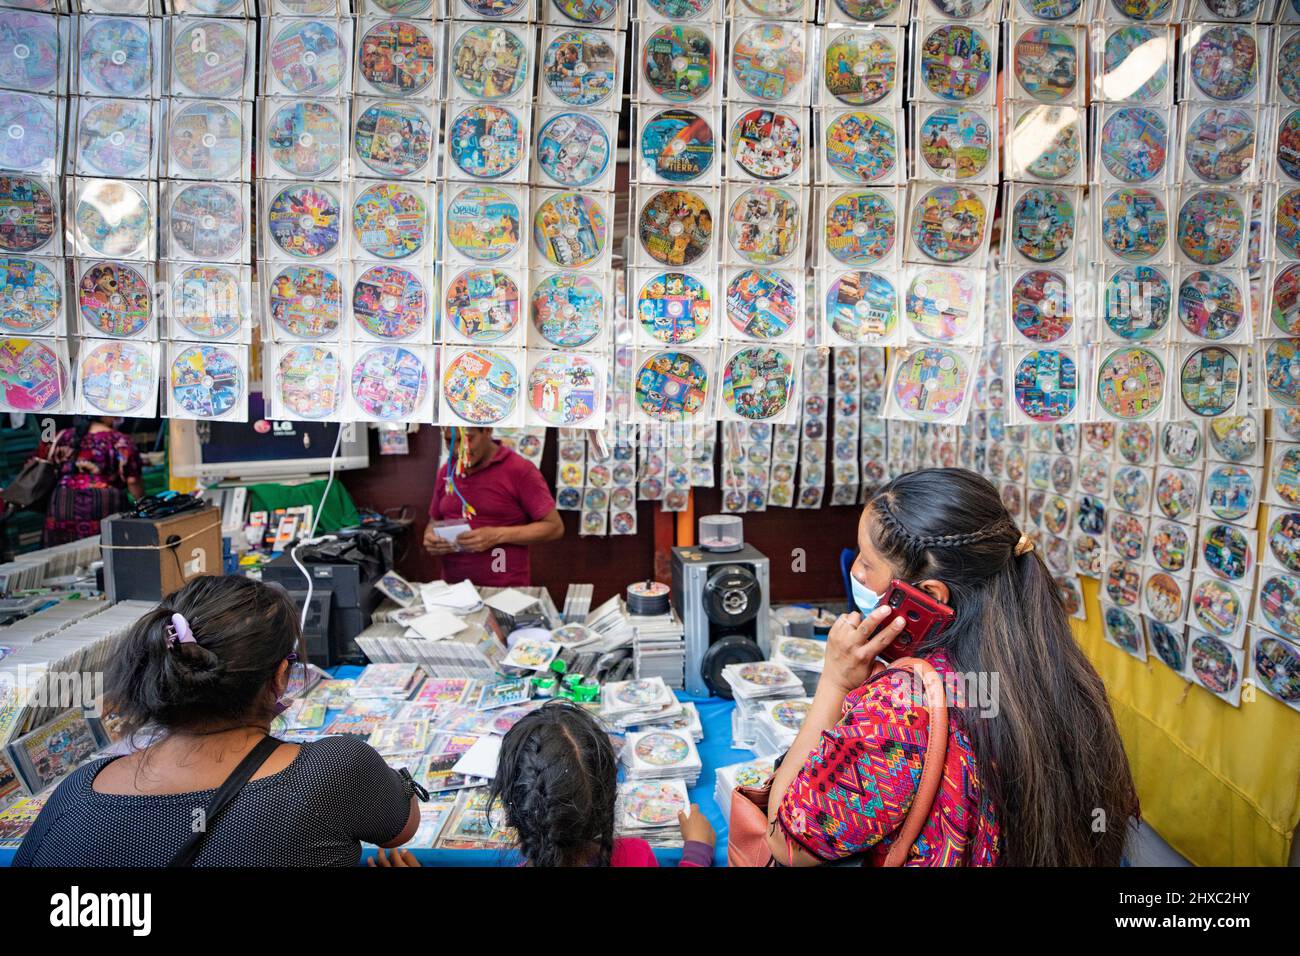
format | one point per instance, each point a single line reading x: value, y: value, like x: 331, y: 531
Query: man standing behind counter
x: 512, y: 508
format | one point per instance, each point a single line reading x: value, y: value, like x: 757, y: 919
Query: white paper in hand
x: 481, y: 759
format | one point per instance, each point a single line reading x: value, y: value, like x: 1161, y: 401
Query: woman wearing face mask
x: 1034, y: 772
x: 98, y: 467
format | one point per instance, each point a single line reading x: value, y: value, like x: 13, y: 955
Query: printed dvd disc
x: 1210, y: 306
x: 1277, y: 667
x: 308, y: 380
x: 860, y: 68
x: 1285, y: 477
x: 1288, y: 66
x: 1047, y: 385
x: 956, y: 62
x: 678, y: 145
x: 757, y: 383
x: 27, y: 218
x: 767, y: 60
x: 207, y: 222
x: 1042, y: 224
x: 681, y: 9
x: 675, y: 227
x: 862, y: 306
x: 1136, y: 443
x: 674, y: 308
x: 763, y: 224
x: 579, y: 68
x: 1142, y: 9
x: 389, y: 382
x: 1178, y: 496
x: 116, y: 57
x: 1288, y: 137
x: 206, y: 302
x: 861, y: 227
x: 1284, y: 309
x: 1170, y: 545
x: 494, y: 9
x: 31, y: 299
x: 115, y: 218
x: 678, y: 62
x: 1041, y: 307
x: 1284, y: 540
x: 1122, y: 43
x: 389, y: 303
x: 30, y: 135
x: 563, y: 389
x: 481, y: 386
x: 1214, y: 664
x: 1224, y: 62
x: 766, y: 143
x: 1087, y: 552
x: 955, y: 142
x: 489, y: 62
x: 483, y: 305
x: 948, y: 223
x: 29, y: 51
x: 587, y: 11
x: 1131, y: 383
x: 206, y: 141
x: 931, y: 383
x: 1287, y: 226
x: 390, y: 220
x: 761, y: 304
x: 210, y: 59
x: 206, y: 381
x: 1046, y: 63
x: 115, y: 137
x: 1279, y: 603
x: 1127, y: 535
x: 307, y: 58
x: 1220, y: 144
x: 115, y: 299
x: 1226, y: 551
x: 1134, y: 144
x: 304, y: 220
x: 570, y: 229
x: 307, y: 302
x: 483, y: 223
x: 398, y: 58
x: 117, y: 377
x: 568, y: 310
x: 1234, y: 438
x: 32, y: 376
x: 1211, y: 227
x: 395, y: 139
x: 1122, y: 581
x: 1164, y: 598
x: 861, y: 146
x: 671, y: 386
x: 1137, y: 301
x: 306, y: 139
x: 1210, y: 381
x: 573, y: 149
x: 1134, y: 223
x: 1054, y: 157
x: 1230, y: 492
x: 941, y: 304
x: 1181, y: 442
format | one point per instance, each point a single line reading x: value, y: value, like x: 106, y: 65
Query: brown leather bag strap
x: 936, y: 752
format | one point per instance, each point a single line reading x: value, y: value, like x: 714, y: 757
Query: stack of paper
x: 625, y: 704
x: 751, y: 773
x: 661, y: 755
x: 648, y: 809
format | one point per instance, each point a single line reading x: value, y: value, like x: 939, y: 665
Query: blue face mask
x: 865, y: 598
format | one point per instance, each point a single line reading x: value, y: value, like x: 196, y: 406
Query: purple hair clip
x: 178, y: 632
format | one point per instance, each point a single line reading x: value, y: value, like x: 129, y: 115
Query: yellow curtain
x: 1220, y: 784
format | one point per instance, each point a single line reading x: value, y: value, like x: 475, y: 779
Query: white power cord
x: 311, y: 535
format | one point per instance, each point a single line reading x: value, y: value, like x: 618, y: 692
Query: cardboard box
x: 146, y: 559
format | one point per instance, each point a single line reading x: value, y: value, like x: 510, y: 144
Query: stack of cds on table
x: 688, y: 720
x: 803, y: 655
x: 577, y: 602
x: 661, y: 755
x: 751, y: 773
x: 777, y: 724
x: 754, y: 685
x: 659, y: 648
x: 648, y: 809
x: 625, y: 704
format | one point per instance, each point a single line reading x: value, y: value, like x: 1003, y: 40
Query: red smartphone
x: 925, y: 617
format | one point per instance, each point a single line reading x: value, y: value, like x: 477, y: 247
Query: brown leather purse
x: 747, y: 830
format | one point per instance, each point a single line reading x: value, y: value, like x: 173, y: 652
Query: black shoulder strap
x: 226, y: 793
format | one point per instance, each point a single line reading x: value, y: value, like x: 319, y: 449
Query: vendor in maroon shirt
x: 513, y: 508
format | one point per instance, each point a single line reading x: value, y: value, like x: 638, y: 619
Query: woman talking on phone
x: 1033, y: 772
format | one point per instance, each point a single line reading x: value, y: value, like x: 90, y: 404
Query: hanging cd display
x: 761, y: 304
x: 31, y: 133
x: 307, y: 58
x: 1220, y: 144
x: 862, y: 307
x: 114, y: 299
x: 398, y: 58
x: 579, y: 68
x: 29, y: 51
x: 861, y: 146
x: 389, y: 303
x: 205, y: 381
x: 308, y: 381
x: 207, y: 222
x: 674, y: 308
x: 677, y: 145
x: 389, y: 383
x: 1210, y: 306
x: 304, y: 221
x: 956, y: 62
x: 568, y: 310
x: 395, y: 139
x: 118, y: 378
x: 115, y: 56
x: 1224, y: 62
x: 931, y: 383
x: 675, y: 227
x: 678, y: 62
x: 1284, y: 539
x: 1134, y: 144
x: 1275, y: 665
x: 1042, y: 224
x: 1134, y: 224
x: 1211, y: 226
x: 573, y: 149
x: 206, y: 140
x: 390, y: 220
x: 306, y: 302
x: 481, y: 386
x: 1040, y: 306
x: 671, y: 387
x: 767, y: 60
x: 27, y: 215
x: 489, y: 63
x: 1047, y: 385
x: 209, y: 58
x: 763, y: 224
x: 956, y: 143
x: 570, y: 229
x: 1230, y: 493
x: 306, y: 139
x: 1046, y: 63
x: 1226, y: 551
x: 115, y: 137
x: 948, y: 223
x: 1210, y: 381
x: 1131, y: 383
x: 483, y: 223
x: 32, y: 376
x: 564, y: 390
x: 206, y: 302
x: 758, y: 382
x: 483, y: 305
x: 941, y: 304
x: 860, y: 68
x: 31, y: 299
x: 861, y: 227
x: 113, y: 218
x: 1137, y: 302
x: 766, y: 143
x: 1055, y: 156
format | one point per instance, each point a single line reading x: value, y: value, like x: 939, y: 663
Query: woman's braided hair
x: 880, y: 506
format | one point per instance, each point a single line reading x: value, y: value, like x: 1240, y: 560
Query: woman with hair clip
x: 199, y: 679
x: 1034, y: 772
